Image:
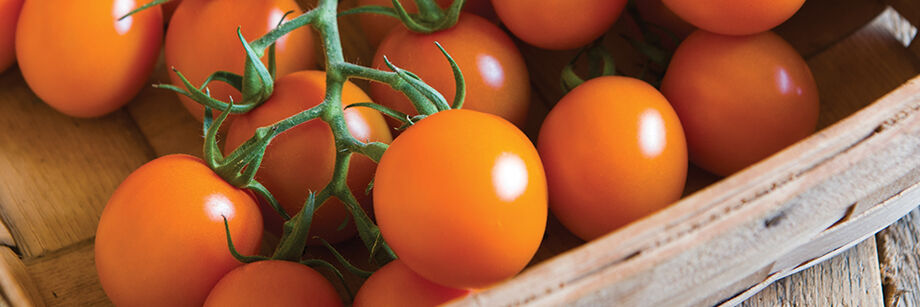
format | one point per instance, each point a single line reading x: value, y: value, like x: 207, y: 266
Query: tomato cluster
x: 459, y: 199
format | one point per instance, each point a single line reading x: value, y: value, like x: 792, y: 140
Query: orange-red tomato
x: 169, y: 8
x: 740, y: 99
x: 395, y: 285
x: 558, y: 24
x: 82, y: 61
x: 376, y: 27
x: 273, y: 283
x: 302, y: 159
x: 9, y: 14
x: 614, y: 152
x: 461, y: 198
x: 161, y: 239
x: 734, y: 17
x: 202, y: 39
x: 494, y: 70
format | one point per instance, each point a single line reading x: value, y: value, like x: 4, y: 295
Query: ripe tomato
x: 9, y: 14
x: 461, y: 198
x: 614, y: 152
x: 161, y: 239
x: 82, y: 61
x: 395, y: 285
x: 740, y: 99
x: 376, y: 27
x: 733, y: 17
x: 169, y: 8
x: 496, y: 76
x: 558, y: 24
x: 273, y: 283
x: 202, y: 39
x: 302, y: 159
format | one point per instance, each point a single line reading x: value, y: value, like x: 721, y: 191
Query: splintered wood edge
x: 759, y: 215
x: 16, y: 287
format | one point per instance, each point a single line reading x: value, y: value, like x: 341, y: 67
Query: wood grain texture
x: 68, y: 277
x: 820, y: 24
x: 58, y: 171
x: 899, y: 253
x: 849, y: 279
x: 16, y: 286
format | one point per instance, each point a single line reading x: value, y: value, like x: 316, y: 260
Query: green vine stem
x: 430, y: 18
x: 240, y: 166
x: 600, y: 63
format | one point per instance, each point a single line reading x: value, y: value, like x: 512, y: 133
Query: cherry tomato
x: 161, y: 239
x: 169, y: 8
x: 9, y: 14
x: 202, y: 39
x: 273, y: 283
x: 740, y: 99
x: 558, y: 24
x: 302, y: 159
x: 82, y: 61
x: 496, y: 76
x: 733, y: 17
x: 376, y: 27
x: 461, y: 198
x: 395, y: 285
x: 614, y: 152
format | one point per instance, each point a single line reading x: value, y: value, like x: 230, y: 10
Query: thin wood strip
x: 68, y: 277
x: 910, y: 9
x: 16, y: 286
x: 899, y: 253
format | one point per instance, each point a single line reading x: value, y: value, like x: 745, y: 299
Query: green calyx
x: 600, y: 63
x: 430, y: 18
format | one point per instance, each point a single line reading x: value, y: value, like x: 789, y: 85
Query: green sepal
x: 295, y: 231
x: 344, y: 262
x: 143, y: 7
x: 314, y: 263
x: 234, y: 252
x: 459, y: 82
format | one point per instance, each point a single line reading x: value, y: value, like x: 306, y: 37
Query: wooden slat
x: 849, y: 279
x: 58, y: 171
x: 16, y: 286
x: 899, y: 253
x: 68, y: 277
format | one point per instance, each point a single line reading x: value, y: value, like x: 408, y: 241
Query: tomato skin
x: 395, y: 285
x: 461, y: 198
x: 64, y: 62
x: 161, y: 240
x: 273, y: 283
x: 202, y: 39
x: 302, y: 159
x: 733, y: 17
x: 740, y: 99
x: 9, y: 14
x: 558, y: 24
x: 496, y: 76
x: 614, y: 152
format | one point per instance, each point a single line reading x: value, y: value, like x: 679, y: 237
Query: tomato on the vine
x: 496, y: 76
x: 734, y: 17
x: 614, y: 152
x: 202, y: 38
x: 558, y: 24
x: 376, y: 27
x: 461, y: 198
x: 273, y: 283
x: 161, y: 239
x: 9, y: 14
x: 302, y: 159
x: 740, y: 98
x: 80, y: 59
x: 395, y: 285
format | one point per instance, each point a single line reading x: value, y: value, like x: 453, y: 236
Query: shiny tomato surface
x: 740, y: 99
x: 558, y: 24
x: 395, y: 285
x: 161, y: 239
x: 461, y: 198
x: 735, y: 17
x: 273, y: 283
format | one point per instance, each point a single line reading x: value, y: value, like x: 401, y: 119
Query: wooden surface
x: 50, y: 230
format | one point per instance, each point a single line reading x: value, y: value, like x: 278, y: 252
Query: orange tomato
x: 302, y: 159
x: 558, y: 24
x: 740, y: 99
x: 273, y: 283
x: 82, y: 61
x: 494, y: 70
x: 461, y: 198
x: 614, y: 152
x: 202, y: 39
x: 395, y: 285
x: 9, y: 14
x: 161, y: 240
x: 734, y: 17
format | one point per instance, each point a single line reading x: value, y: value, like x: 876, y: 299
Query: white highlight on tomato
x: 274, y: 18
x: 651, y: 133
x: 217, y: 207
x: 121, y: 8
x: 357, y: 126
x: 509, y: 176
x: 491, y: 71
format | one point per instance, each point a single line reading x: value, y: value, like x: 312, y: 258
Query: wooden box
x: 726, y: 240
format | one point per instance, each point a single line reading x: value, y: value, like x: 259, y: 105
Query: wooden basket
x: 722, y: 243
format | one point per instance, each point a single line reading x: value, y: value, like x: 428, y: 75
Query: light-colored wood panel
x: 899, y: 253
x: 58, y: 171
x: 16, y: 286
x: 68, y: 277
